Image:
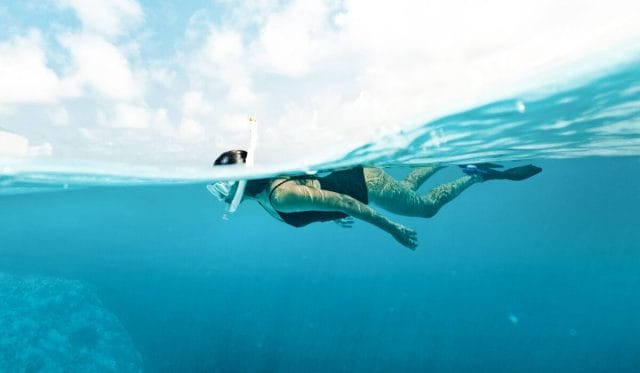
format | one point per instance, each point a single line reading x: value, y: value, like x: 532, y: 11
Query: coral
x: 54, y: 325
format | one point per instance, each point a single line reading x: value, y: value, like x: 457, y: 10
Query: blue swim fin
x: 479, y: 168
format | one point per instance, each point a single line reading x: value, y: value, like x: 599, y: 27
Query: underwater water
x: 537, y: 275
x: 534, y: 275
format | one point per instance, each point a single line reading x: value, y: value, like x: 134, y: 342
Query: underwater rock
x: 55, y: 325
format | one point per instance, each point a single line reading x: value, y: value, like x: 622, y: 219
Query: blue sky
x: 159, y: 82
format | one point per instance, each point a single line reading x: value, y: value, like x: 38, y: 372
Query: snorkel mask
x: 231, y: 192
x: 222, y: 189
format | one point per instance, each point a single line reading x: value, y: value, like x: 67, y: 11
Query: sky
x: 174, y: 82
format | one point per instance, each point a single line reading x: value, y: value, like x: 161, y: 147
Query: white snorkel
x: 223, y: 189
x: 242, y: 184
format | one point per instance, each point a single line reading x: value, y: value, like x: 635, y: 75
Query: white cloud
x: 12, y: 144
x: 87, y: 134
x: 126, y: 116
x: 191, y: 130
x: 59, y: 116
x: 292, y: 40
x: 24, y: 74
x: 132, y: 116
x: 44, y: 149
x: 101, y: 66
x: 195, y: 110
x: 193, y: 104
x: 233, y: 123
x: 106, y: 17
x: 224, y: 46
x: 161, y: 121
x: 161, y: 75
x: 242, y: 93
x: 7, y: 109
x: 224, y: 61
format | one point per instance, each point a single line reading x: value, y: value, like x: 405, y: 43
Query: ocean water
x: 105, y: 272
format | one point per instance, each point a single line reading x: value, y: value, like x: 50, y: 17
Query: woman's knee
x: 429, y: 211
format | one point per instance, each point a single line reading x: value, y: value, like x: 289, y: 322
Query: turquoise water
x: 112, y: 273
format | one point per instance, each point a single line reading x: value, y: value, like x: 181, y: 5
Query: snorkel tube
x: 222, y: 189
x: 232, y: 191
x: 242, y: 184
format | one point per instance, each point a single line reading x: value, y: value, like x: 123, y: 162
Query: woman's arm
x: 290, y: 197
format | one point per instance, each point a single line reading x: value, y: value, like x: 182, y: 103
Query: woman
x: 302, y: 200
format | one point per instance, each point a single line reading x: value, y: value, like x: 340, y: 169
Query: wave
x: 600, y: 117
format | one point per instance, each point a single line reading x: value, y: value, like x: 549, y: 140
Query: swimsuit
x: 350, y: 182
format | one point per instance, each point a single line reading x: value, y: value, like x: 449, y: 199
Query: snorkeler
x: 301, y: 200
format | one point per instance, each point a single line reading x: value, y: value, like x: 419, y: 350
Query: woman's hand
x: 406, y: 236
x: 345, y: 222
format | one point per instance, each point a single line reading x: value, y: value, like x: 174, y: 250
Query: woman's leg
x: 445, y: 193
x: 417, y: 177
x: 400, y: 197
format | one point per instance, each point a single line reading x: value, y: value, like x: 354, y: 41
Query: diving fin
x: 515, y: 173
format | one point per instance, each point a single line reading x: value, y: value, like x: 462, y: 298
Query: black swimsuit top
x: 350, y: 182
